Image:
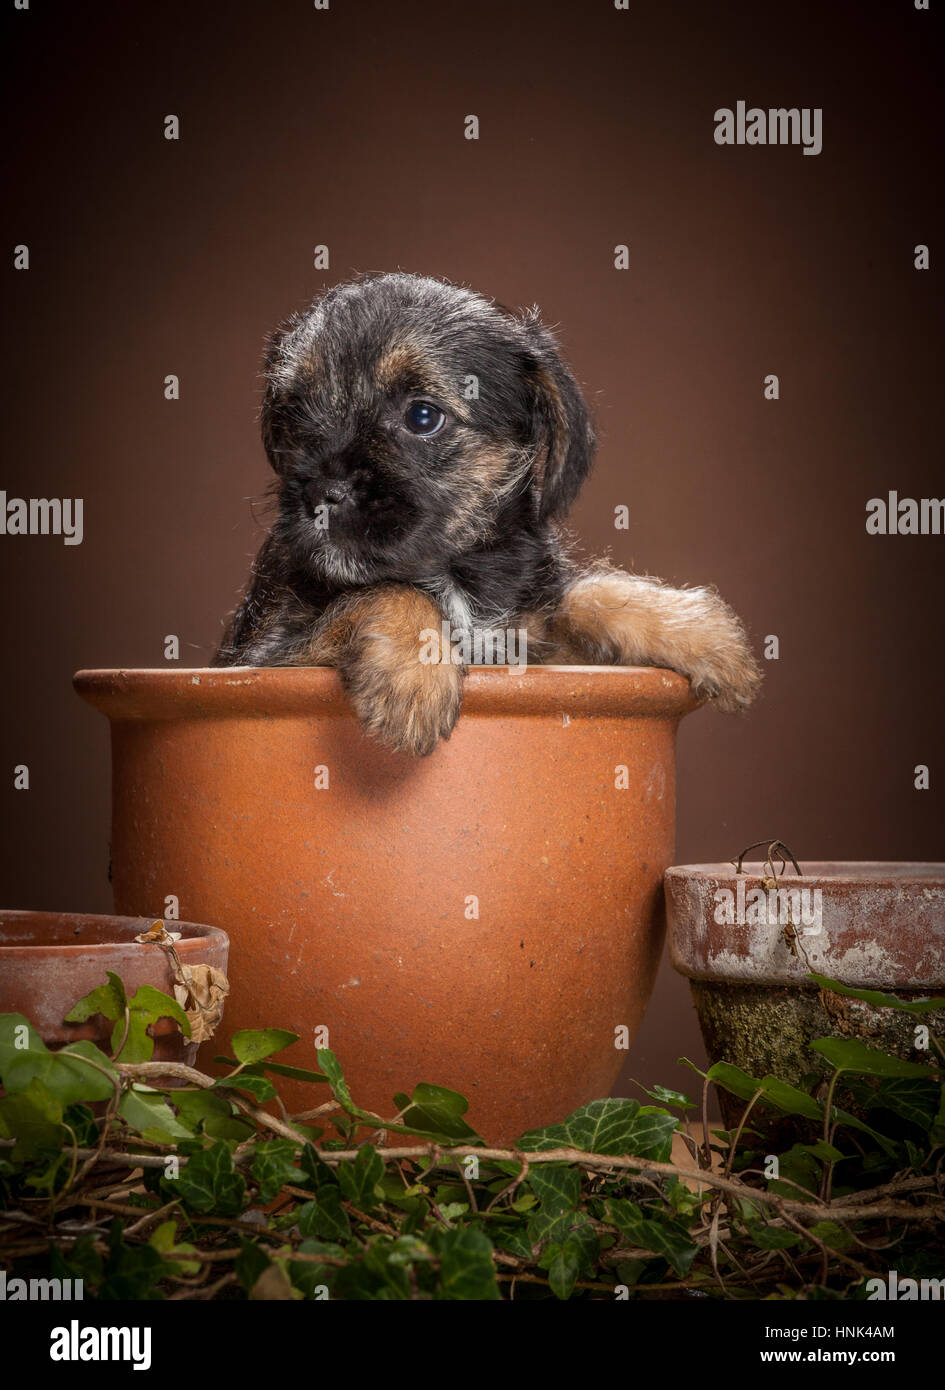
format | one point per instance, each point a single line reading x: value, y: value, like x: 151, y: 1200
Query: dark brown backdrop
x: 345, y: 127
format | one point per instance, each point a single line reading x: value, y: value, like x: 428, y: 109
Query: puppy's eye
x: 423, y: 418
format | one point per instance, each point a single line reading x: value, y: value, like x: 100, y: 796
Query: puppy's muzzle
x: 331, y: 492
x: 338, y: 492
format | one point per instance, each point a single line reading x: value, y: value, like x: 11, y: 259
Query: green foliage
x: 245, y: 1203
x: 131, y: 1018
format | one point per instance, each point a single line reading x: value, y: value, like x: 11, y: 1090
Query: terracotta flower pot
x: 879, y: 927
x: 483, y: 919
x: 49, y: 960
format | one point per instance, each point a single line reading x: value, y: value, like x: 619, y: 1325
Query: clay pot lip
x: 162, y: 693
x: 194, y: 935
x: 877, y: 925
x: 872, y: 873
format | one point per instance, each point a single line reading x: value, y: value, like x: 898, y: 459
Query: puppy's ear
x: 560, y: 426
x: 279, y: 376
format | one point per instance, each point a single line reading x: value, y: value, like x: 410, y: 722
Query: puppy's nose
x: 337, y: 492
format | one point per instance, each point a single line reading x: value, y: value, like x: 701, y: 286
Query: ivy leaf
x: 71, y: 1075
x: 514, y: 1240
x: 339, y: 1087
x: 668, y: 1097
x: 359, y: 1179
x: 82, y: 1261
x: 466, y: 1268
x: 146, y: 1110
x: 210, y: 1183
x: 557, y: 1185
x: 325, y: 1216
x: 46, y: 1179
x: 436, y: 1111
x: 32, y: 1118
x: 145, y: 1007
x: 652, y: 1134
x: 611, y: 1126
x: 563, y: 1266
x: 259, y: 1087
x: 317, y: 1172
x: 914, y: 1099
x: 310, y: 1278
x: 833, y: 1235
x: 175, y: 1255
x: 196, y: 1107
x: 273, y: 1167
x: 253, y: 1044
x: 409, y: 1250
x: 685, y: 1062
x: 849, y: 1054
x: 131, y: 1271
x: 569, y: 1247
x: 827, y: 1153
x: 227, y: 1127
x: 779, y: 1093
x: 17, y: 1035
x: 250, y: 1263
x: 797, y: 1166
x: 81, y: 1121
x: 108, y: 1000
x: 771, y: 1237
x: 293, y: 1073
x: 878, y: 999
x: 656, y: 1233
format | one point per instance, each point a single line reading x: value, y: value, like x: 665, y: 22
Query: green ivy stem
x: 826, y: 1181
x: 179, y: 1070
x: 473, y: 1204
x: 124, y: 1037
x: 74, y: 1165
x: 738, y: 1133
x: 92, y: 1158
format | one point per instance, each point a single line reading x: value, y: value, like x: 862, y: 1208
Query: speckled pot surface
x: 48, y: 960
x: 877, y: 926
x: 483, y: 919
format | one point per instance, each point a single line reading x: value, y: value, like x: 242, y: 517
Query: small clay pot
x: 49, y: 960
x: 877, y: 926
x: 488, y: 918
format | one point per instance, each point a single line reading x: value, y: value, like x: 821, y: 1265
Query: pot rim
x: 161, y: 693
x: 195, y: 938
x: 871, y: 872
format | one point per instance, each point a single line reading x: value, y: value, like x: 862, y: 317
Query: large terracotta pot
x: 483, y: 919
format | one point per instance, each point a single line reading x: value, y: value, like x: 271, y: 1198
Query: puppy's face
x: 408, y: 420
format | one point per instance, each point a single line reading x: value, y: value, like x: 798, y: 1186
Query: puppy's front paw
x: 613, y: 618
x: 407, y: 708
x: 718, y: 660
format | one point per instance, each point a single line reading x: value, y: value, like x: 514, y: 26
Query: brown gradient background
x: 345, y: 127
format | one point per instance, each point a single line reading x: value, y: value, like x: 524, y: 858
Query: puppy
x: 426, y: 444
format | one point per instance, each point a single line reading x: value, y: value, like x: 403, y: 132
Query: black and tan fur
x: 382, y: 532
